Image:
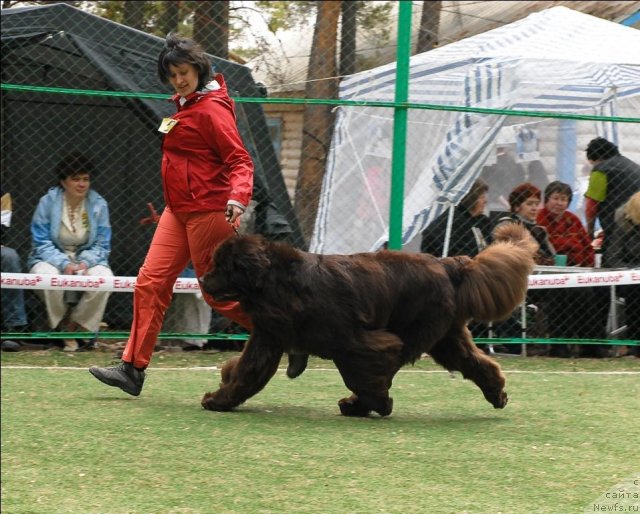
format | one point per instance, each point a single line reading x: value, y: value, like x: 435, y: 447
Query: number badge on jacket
x: 166, y: 125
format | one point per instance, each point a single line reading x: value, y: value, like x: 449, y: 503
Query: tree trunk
x: 170, y: 17
x: 348, y: 38
x: 317, y: 119
x: 134, y: 15
x: 211, y: 27
x: 429, y: 26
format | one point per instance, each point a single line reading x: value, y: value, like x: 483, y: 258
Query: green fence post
x: 400, y: 127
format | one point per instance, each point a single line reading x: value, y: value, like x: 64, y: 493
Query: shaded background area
x: 63, y: 47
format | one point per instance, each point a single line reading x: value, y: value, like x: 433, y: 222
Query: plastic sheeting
x: 557, y: 60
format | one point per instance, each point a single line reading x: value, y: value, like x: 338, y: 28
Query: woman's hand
x: 74, y: 268
x: 232, y: 213
x: 81, y: 268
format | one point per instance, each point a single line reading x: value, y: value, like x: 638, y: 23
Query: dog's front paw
x: 210, y: 401
x: 352, y: 406
x: 385, y: 408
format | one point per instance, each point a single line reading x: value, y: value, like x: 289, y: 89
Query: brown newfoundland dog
x: 371, y: 313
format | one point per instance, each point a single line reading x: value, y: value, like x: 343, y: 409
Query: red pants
x: 179, y: 237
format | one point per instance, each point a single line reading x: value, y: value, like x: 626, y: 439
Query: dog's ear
x: 251, y: 259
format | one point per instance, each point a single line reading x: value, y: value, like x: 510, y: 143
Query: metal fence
x: 82, y: 83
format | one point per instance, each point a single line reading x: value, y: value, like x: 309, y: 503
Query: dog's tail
x: 491, y: 285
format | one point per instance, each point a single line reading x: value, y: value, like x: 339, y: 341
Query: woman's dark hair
x: 181, y: 50
x: 557, y: 187
x: 76, y: 163
x: 521, y: 194
x: 599, y: 149
x: 478, y: 188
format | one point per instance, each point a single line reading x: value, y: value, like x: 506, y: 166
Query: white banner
x: 190, y: 285
x: 85, y: 283
x: 587, y: 279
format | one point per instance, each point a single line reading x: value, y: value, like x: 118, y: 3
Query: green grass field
x: 71, y: 444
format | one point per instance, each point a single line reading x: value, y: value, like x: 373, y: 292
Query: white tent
x: 557, y: 60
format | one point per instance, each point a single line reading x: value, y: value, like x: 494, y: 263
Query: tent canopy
x: 557, y: 60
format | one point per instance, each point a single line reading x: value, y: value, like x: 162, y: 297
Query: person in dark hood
x: 470, y: 230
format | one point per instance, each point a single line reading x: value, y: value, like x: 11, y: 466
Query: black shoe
x: 86, y: 345
x: 124, y: 376
x: 21, y: 329
x: 10, y: 346
x: 297, y: 364
x: 594, y: 351
x: 560, y: 350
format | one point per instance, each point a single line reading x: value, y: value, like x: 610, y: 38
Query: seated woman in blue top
x: 71, y: 235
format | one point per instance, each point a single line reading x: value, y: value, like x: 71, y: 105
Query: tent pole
x: 566, y: 145
x: 447, y: 234
x: 400, y: 127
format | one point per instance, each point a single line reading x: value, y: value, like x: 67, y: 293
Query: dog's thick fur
x: 371, y: 313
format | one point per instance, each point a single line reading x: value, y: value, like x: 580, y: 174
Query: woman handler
x: 207, y: 179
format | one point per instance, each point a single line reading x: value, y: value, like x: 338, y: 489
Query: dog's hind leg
x: 245, y: 376
x: 457, y: 352
x: 367, y: 369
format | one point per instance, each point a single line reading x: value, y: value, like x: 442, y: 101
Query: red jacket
x: 568, y: 236
x: 204, y: 162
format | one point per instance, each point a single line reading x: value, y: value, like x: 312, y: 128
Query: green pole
x: 400, y: 127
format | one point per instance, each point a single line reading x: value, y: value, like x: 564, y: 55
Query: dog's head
x: 240, y: 268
